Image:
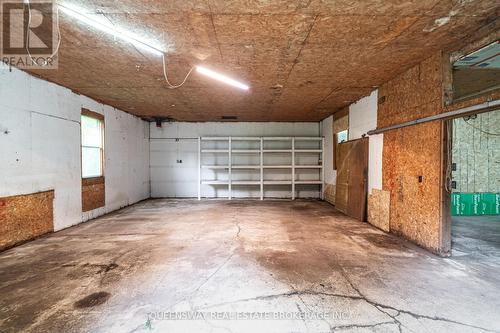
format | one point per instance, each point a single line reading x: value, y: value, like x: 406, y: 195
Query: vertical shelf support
x: 261, y: 169
x: 322, y: 194
x: 199, y: 168
x: 230, y: 175
x: 293, y: 168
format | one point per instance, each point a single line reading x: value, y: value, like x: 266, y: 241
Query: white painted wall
x: 171, y: 179
x: 362, y: 118
x: 327, y: 130
x: 40, y: 147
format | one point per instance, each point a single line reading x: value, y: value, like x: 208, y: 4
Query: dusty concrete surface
x: 476, y: 243
x: 131, y: 270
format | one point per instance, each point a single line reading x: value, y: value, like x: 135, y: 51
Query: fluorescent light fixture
x: 221, y: 78
x: 136, y: 41
x: 110, y: 29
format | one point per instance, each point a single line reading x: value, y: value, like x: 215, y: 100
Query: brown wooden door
x: 352, y: 178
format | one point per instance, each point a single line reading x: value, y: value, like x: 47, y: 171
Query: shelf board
x: 215, y: 138
x: 246, y: 151
x: 245, y: 182
x: 215, y: 182
x: 215, y: 150
x: 215, y: 166
x: 308, y: 167
x: 277, y: 182
x: 308, y: 151
x: 308, y: 182
x: 277, y: 151
x: 308, y: 138
x: 244, y: 138
x: 277, y: 138
x: 245, y: 167
x: 277, y: 166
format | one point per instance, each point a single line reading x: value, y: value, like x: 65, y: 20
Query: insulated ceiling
x: 303, y: 59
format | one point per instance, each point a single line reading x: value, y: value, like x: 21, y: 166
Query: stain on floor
x: 240, y: 266
x: 92, y: 300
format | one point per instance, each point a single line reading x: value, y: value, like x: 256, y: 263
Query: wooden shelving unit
x: 234, y: 154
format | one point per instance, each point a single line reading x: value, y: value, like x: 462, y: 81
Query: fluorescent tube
x: 110, y: 29
x: 221, y: 78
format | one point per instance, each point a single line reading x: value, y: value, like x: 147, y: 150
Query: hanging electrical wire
x: 45, y: 63
x: 134, y: 40
x: 449, y: 156
x: 480, y: 130
x: 170, y: 85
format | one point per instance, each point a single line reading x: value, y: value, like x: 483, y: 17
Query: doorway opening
x: 475, y: 185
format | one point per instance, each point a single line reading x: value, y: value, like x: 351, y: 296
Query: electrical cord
x: 480, y: 130
x: 449, y: 147
x: 170, y: 85
x: 28, y: 36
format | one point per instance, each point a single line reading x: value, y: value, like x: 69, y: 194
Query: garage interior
x: 250, y: 166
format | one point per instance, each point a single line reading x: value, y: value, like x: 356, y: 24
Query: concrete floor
x: 476, y: 243
x: 134, y: 270
x: 476, y: 235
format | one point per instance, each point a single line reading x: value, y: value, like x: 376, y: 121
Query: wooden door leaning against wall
x: 352, y: 178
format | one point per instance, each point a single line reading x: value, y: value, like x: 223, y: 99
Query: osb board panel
x: 304, y: 60
x: 379, y: 209
x: 414, y: 94
x: 25, y: 217
x: 341, y: 124
x: 93, y: 194
x: 412, y: 155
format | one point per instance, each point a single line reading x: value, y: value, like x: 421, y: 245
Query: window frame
x: 449, y: 57
x: 100, y: 118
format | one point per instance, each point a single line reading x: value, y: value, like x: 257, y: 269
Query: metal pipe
x: 480, y: 108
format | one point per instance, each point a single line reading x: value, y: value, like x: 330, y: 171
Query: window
x: 342, y: 136
x: 92, y: 127
x: 476, y: 73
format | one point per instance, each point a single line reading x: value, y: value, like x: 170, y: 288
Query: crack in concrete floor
x: 200, y: 256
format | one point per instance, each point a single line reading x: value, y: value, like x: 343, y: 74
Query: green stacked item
x: 473, y: 204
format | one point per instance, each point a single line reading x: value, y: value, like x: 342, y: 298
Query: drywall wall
x: 172, y: 178
x: 363, y: 118
x: 476, y: 153
x: 40, y: 147
x: 330, y: 173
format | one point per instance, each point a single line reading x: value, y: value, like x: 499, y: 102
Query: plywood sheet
x: 379, y: 209
x: 93, y: 193
x: 412, y: 156
x: 25, y: 217
x: 331, y: 52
